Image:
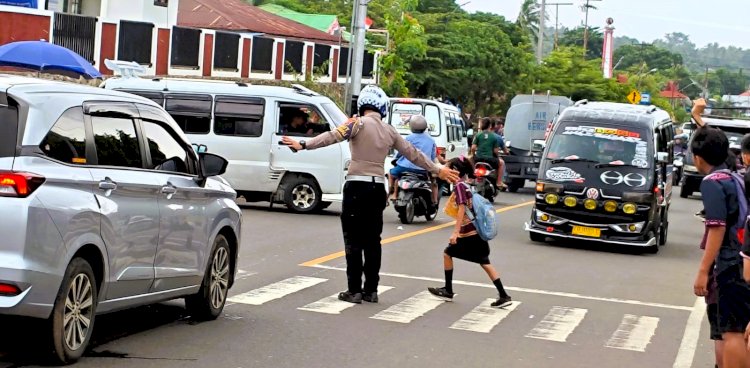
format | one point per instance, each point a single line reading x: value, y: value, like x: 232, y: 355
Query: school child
x: 722, y: 244
x: 464, y: 242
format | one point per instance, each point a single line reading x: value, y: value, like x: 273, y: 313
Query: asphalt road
x: 577, y: 305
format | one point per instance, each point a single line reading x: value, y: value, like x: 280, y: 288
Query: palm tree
x: 528, y: 18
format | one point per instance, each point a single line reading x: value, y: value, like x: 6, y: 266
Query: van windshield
x: 602, y: 144
x: 402, y: 111
x: 337, y: 116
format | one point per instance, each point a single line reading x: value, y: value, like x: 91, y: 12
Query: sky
x: 723, y: 21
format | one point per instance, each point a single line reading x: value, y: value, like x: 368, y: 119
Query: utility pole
x: 357, y: 51
x: 586, y: 8
x: 540, y: 36
x: 557, y: 15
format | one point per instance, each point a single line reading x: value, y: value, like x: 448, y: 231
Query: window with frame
x: 191, y: 112
x: 66, y: 141
x: 116, y: 142
x: 301, y: 121
x: 167, y: 154
x: 432, y: 115
x: 239, y: 116
x: 451, y: 131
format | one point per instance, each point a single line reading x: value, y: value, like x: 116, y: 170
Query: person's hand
x: 453, y: 239
x: 291, y: 143
x: 700, y: 288
x: 699, y: 106
x: 747, y: 336
x: 448, y: 174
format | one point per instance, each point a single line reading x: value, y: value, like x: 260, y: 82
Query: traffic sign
x: 634, y: 97
x: 645, y: 99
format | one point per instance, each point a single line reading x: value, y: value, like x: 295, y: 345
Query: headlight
x: 551, y: 199
x: 589, y: 204
x: 570, y: 201
x: 610, y: 206
x: 690, y: 168
x: 629, y: 208
x: 549, y: 219
x: 628, y: 228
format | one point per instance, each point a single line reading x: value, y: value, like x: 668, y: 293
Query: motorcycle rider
x: 425, y: 144
x: 365, y: 199
x: 486, y: 147
x: 680, y: 144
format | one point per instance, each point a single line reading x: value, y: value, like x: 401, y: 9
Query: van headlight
x: 551, y: 198
x: 629, y: 208
x: 546, y: 218
x: 628, y: 228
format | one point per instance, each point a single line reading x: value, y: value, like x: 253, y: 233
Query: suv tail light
x: 19, y: 184
x: 9, y: 290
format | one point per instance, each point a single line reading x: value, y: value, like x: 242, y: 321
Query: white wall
x: 91, y: 8
x: 140, y: 10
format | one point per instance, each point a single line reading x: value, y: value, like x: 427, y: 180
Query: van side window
x: 191, y: 112
x: 157, y: 97
x: 116, y: 142
x: 239, y: 116
x: 451, y: 131
x: 66, y: 141
x: 432, y: 115
x: 301, y: 121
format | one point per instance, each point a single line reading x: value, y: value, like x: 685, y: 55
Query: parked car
x: 735, y: 129
x: 245, y: 123
x: 107, y: 206
x: 606, y: 176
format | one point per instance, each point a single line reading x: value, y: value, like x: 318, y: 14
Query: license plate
x: 591, y: 232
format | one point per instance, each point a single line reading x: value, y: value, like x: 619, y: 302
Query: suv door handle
x: 168, y: 190
x: 107, y: 184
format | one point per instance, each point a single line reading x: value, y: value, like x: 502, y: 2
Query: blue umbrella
x: 46, y: 57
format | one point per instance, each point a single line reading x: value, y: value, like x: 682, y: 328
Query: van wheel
x: 208, y: 303
x: 515, y: 184
x: 74, y: 312
x: 685, y: 191
x: 664, y: 228
x: 302, y: 194
x: 654, y: 248
x: 536, y: 237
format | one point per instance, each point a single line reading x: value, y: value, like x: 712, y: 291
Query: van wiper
x: 561, y: 160
x: 599, y: 166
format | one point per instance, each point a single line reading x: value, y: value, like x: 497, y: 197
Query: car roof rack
x: 304, y: 90
x: 581, y: 102
x: 126, y: 69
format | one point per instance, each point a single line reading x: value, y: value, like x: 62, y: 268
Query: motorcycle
x: 415, y: 198
x: 677, y: 170
x: 485, y: 179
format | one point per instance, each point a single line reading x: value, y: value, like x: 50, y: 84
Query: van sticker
x: 563, y: 174
x: 606, y: 133
x: 639, y: 162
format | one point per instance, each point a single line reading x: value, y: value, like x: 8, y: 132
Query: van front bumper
x: 563, y: 229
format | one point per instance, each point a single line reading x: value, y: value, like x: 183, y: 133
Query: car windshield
x: 602, y: 144
x: 336, y: 115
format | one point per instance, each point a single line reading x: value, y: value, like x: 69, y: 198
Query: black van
x: 606, y: 176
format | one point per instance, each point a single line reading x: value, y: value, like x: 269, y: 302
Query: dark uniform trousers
x: 362, y: 224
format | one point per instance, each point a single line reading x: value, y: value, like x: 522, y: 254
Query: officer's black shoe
x: 346, y: 296
x: 370, y: 297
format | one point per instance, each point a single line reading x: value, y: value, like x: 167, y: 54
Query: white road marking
x: 634, y: 333
x: 483, y: 318
x: 276, y: 290
x: 332, y: 304
x: 526, y: 290
x: 410, y: 309
x: 558, y: 324
x: 686, y: 353
x: 242, y: 274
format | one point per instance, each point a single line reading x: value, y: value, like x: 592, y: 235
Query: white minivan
x: 244, y: 124
x: 446, y: 125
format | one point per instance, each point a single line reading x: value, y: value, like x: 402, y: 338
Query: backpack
x: 742, y: 217
x: 483, y: 216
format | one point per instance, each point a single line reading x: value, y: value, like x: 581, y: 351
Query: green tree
x: 408, y: 45
x: 653, y: 56
x: 529, y: 18
x: 574, y: 37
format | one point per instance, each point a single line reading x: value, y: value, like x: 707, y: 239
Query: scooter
x: 485, y: 179
x: 415, y: 198
x: 677, y: 170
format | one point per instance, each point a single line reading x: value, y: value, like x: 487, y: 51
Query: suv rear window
x: 8, y: 130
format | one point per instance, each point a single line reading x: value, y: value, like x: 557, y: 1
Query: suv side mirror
x: 662, y: 157
x: 211, y: 165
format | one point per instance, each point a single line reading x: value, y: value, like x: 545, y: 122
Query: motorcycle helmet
x: 372, y: 98
x: 417, y: 124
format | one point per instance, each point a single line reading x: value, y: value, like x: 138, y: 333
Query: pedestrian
x: 722, y: 249
x: 465, y: 243
x: 364, y: 199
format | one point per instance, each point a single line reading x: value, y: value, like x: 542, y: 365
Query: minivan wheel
x: 685, y: 190
x: 664, y: 228
x: 74, y: 312
x: 515, y: 184
x: 536, y: 237
x: 654, y: 248
x: 302, y: 195
x: 208, y: 303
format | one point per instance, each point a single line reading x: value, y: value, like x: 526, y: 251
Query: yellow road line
x: 396, y: 238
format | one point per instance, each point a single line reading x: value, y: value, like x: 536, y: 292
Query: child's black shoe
x: 441, y: 293
x: 502, y: 302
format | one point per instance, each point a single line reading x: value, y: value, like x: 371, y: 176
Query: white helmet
x: 417, y: 124
x: 374, y: 98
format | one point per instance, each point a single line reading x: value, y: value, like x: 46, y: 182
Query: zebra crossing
x: 634, y: 332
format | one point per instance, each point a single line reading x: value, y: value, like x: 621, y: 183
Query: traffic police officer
x: 365, y: 199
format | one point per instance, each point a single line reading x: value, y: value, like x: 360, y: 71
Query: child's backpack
x: 742, y: 217
x: 483, y: 216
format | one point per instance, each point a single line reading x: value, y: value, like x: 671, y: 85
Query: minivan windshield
x: 337, y: 116
x: 600, y: 143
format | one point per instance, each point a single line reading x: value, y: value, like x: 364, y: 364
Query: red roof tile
x: 236, y: 15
